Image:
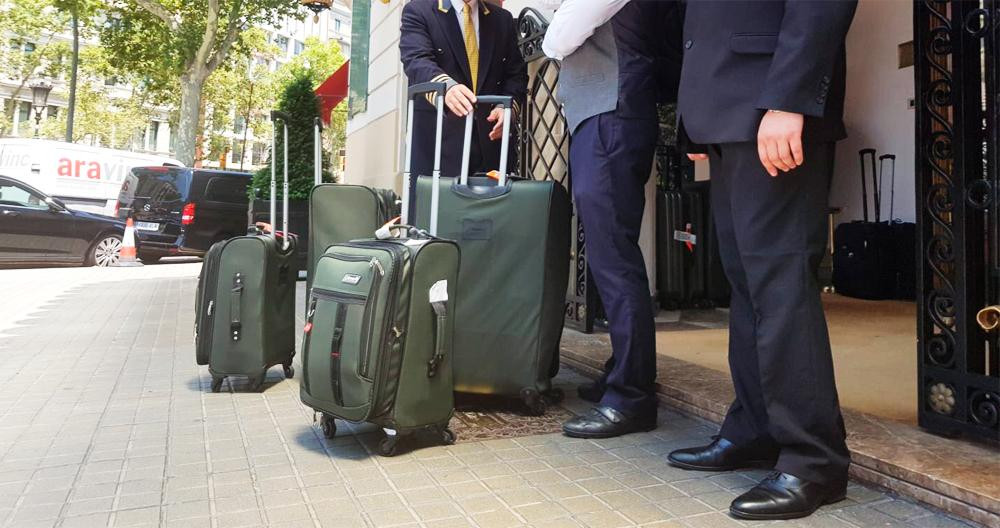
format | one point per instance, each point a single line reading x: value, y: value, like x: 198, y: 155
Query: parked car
x: 183, y: 211
x: 38, y: 229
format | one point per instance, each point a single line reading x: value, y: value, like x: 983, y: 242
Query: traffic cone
x: 127, y: 256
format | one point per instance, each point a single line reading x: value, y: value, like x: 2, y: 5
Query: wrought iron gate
x: 958, y: 138
x: 544, y: 155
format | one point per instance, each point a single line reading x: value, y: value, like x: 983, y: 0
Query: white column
x: 163, y: 137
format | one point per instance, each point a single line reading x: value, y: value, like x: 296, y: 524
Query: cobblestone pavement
x: 107, y: 421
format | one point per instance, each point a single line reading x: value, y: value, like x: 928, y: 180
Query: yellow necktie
x: 471, y: 45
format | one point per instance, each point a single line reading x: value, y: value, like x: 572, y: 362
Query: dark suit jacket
x: 743, y: 57
x: 432, y: 48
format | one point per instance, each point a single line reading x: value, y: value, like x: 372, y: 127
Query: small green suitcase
x: 245, y: 303
x: 378, y: 333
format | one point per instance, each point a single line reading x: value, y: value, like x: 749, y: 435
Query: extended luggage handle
x: 505, y: 101
x: 863, y: 153
x: 892, y: 181
x: 438, y: 89
x: 277, y: 115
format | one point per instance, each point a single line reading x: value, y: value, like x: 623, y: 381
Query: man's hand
x: 496, y: 117
x: 779, y: 141
x: 460, y: 100
x: 697, y: 157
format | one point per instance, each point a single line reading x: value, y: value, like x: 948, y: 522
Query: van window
x: 227, y: 189
x: 161, y: 187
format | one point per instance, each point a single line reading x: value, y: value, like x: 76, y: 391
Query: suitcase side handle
x: 235, y: 300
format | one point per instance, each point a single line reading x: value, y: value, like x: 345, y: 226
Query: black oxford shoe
x: 783, y: 496
x: 723, y: 455
x: 592, y: 392
x: 606, y: 422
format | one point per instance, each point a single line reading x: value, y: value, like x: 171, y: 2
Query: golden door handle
x: 989, y: 318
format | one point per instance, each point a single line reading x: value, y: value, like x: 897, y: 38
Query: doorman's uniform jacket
x: 432, y: 49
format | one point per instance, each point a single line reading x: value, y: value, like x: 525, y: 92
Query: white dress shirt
x: 459, y: 5
x: 574, y: 22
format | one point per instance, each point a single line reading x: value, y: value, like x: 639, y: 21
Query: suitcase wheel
x: 534, y: 401
x: 217, y: 383
x: 387, y: 447
x: 328, y: 425
x: 448, y: 436
x: 289, y: 371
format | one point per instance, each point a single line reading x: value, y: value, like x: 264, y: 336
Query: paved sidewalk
x: 107, y: 421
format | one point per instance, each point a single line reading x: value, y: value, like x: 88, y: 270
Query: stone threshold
x: 956, y: 476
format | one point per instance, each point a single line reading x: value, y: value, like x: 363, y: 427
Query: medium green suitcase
x: 515, y: 241
x: 245, y: 303
x: 378, y: 334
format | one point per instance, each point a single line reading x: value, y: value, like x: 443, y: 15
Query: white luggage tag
x: 439, y: 296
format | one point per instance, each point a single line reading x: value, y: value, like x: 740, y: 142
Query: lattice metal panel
x: 957, y: 126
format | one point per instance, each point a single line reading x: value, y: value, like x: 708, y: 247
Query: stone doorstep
x: 945, y: 473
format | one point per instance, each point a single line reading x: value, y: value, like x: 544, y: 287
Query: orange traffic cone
x: 127, y: 255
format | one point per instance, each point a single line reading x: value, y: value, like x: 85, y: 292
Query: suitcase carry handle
x: 440, y: 344
x: 277, y: 115
x: 438, y: 89
x: 507, y: 102
x: 235, y: 300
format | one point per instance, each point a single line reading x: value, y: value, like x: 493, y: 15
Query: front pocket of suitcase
x: 337, y: 347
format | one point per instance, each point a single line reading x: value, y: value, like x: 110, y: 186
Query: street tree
x: 185, y: 41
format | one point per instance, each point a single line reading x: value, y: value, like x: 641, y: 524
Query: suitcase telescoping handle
x: 864, y: 153
x: 892, y: 180
x: 507, y: 102
x: 438, y: 89
x: 317, y: 151
x: 276, y: 116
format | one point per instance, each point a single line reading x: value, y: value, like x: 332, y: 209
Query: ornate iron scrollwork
x: 531, y: 26
x: 957, y: 75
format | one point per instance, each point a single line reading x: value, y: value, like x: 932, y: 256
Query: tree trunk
x: 187, y: 126
x: 71, y: 116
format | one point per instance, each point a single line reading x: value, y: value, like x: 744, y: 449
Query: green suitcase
x: 378, y: 334
x: 245, y: 303
x: 515, y: 241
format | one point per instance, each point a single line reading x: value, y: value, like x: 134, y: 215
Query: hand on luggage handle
x: 277, y: 115
x: 507, y: 102
x: 438, y: 89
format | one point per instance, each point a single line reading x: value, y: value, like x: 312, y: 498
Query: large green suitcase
x: 515, y: 241
x: 245, y: 303
x: 378, y: 334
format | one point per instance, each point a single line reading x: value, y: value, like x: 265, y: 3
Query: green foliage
x: 301, y: 104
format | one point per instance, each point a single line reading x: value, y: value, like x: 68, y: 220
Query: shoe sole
x: 783, y: 516
x: 592, y: 436
x: 753, y: 464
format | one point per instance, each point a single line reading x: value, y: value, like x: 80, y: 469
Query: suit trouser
x: 610, y: 162
x: 772, y: 236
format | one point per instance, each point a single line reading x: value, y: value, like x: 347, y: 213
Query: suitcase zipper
x: 370, y: 316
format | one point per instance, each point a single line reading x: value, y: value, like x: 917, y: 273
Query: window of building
x: 338, y: 25
x: 154, y: 134
x: 24, y: 112
x: 282, y: 42
x: 299, y: 47
x: 237, y: 150
x: 52, y: 112
x: 239, y: 124
x: 257, y: 154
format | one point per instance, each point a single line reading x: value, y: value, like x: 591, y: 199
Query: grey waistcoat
x: 588, y: 80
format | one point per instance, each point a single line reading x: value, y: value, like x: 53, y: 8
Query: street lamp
x: 316, y: 6
x: 39, y: 101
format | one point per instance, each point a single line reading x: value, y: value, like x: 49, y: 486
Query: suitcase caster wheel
x: 289, y: 371
x: 534, y: 401
x: 387, y: 447
x: 256, y: 384
x: 448, y: 436
x: 328, y: 425
x: 556, y: 395
x: 217, y: 384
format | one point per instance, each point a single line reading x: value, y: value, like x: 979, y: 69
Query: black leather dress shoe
x: 592, y: 392
x: 606, y: 422
x: 783, y: 496
x: 723, y: 455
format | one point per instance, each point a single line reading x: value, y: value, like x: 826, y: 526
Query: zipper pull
x: 211, y: 304
x: 309, y: 316
x: 377, y: 265
x: 397, y: 333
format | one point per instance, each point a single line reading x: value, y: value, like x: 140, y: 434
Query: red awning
x: 333, y: 91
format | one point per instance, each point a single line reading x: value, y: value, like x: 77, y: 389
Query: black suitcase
x: 689, y: 268
x: 875, y: 260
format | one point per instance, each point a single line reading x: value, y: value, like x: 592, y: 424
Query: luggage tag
x: 689, y: 239
x: 439, y: 296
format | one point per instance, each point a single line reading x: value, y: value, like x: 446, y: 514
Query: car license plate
x: 147, y: 226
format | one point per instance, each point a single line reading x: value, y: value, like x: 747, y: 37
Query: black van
x: 183, y: 211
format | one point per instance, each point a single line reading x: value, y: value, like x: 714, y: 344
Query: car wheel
x: 105, y: 252
x: 150, y: 258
